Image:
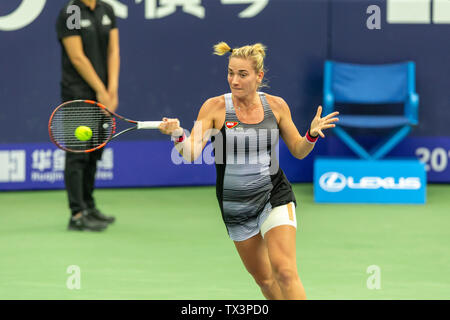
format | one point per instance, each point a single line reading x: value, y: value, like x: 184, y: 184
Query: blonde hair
x: 255, y: 53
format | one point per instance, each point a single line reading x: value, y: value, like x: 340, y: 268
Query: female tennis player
x: 255, y: 197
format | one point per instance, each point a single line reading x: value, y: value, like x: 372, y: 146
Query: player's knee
x: 264, y: 283
x: 285, y: 276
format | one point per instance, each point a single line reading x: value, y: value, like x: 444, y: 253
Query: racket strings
x: 69, y: 117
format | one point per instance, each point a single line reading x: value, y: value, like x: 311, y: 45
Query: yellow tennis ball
x: 83, y: 133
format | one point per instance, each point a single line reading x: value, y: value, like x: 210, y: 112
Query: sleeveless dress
x: 249, y: 180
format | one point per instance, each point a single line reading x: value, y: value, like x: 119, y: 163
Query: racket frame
x: 113, y: 134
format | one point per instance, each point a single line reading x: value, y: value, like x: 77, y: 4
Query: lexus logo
x: 332, y: 181
x: 335, y: 182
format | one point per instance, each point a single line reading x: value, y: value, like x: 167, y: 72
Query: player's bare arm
x: 209, y: 120
x: 298, y: 145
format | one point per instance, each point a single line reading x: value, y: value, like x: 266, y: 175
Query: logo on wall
x: 335, y: 182
x: 332, y: 181
x: 418, y: 12
x: 29, y: 10
x: 12, y: 166
x: 48, y: 165
x: 25, y: 14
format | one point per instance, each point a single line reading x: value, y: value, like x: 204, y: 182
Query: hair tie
x: 231, y: 50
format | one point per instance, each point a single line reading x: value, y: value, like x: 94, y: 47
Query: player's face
x: 242, y: 78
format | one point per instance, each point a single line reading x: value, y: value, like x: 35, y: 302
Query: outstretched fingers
x: 319, y: 111
x: 331, y: 115
x: 330, y: 121
x: 320, y: 133
x: 327, y: 126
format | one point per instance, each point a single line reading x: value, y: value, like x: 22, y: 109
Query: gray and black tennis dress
x: 249, y: 180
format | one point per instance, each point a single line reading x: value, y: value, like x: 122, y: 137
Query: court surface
x: 170, y: 243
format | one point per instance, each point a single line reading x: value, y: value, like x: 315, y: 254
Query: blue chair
x: 372, y: 84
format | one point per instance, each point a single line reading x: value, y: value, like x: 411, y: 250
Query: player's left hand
x: 318, y: 124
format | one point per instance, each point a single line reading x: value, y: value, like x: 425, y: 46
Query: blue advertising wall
x: 365, y: 181
x: 167, y: 69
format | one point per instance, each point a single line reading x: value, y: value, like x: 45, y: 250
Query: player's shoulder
x: 215, y: 104
x: 277, y: 103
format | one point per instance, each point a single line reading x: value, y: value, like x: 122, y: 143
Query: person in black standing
x: 90, y: 70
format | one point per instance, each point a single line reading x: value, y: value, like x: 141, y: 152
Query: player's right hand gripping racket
x: 100, y: 123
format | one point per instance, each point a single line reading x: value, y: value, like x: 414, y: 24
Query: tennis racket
x: 100, y: 123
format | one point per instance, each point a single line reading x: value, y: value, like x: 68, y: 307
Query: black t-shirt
x: 95, y: 26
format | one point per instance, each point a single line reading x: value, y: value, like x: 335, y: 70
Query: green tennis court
x: 170, y: 243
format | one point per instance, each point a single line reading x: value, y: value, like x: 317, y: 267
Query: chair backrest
x: 355, y: 83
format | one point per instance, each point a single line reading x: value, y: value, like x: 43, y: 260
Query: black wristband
x: 309, y: 132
